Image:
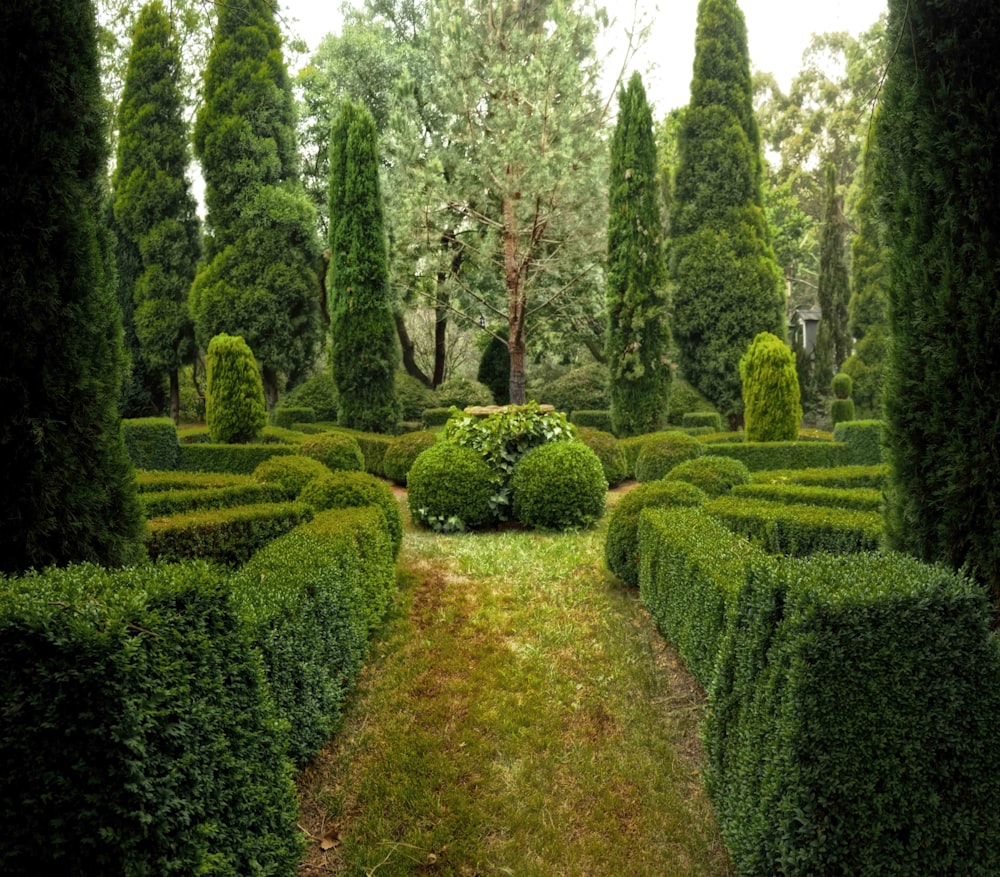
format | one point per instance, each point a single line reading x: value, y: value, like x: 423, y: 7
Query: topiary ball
x: 350, y: 489
x: 399, y: 456
x: 559, y: 486
x: 609, y: 452
x: 335, y: 450
x: 714, y: 475
x: 621, y: 546
x: 292, y: 472
x: 661, y: 451
x: 841, y: 385
x: 450, y: 488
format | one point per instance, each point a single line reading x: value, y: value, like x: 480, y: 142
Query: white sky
x: 778, y: 32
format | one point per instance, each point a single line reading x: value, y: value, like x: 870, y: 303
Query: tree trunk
x: 440, y: 335
x: 408, y: 347
x: 175, y: 396
x: 515, y: 305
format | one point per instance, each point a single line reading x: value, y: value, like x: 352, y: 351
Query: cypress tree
x: 234, y: 394
x: 638, y: 335
x: 728, y: 283
x: 67, y: 492
x: 771, y: 400
x: 833, y: 342
x: 260, y: 281
x: 936, y: 166
x: 364, y: 351
x: 154, y: 210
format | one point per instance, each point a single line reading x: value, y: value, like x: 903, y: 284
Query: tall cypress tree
x: 154, y: 210
x: 260, y: 281
x: 936, y: 167
x: 364, y: 352
x: 833, y: 340
x: 67, y: 491
x: 728, y: 284
x: 638, y: 335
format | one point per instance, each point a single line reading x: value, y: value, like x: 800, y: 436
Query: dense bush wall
x: 151, y: 442
x: 780, y: 455
x: 234, y: 459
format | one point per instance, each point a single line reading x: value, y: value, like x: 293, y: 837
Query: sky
x: 778, y: 32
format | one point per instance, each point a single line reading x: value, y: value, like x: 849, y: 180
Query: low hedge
x: 228, y: 536
x: 402, y: 452
x: 338, y: 451
x: 859, y: 499
x: 236, y: 459
x: 712, y: 474
x: 308, y: 600
x: 290, y: 473
x: 798, y: 530
x: 863, y: 441
x: 436, y: 416
x: 597, y: 419
x: 171, y: 502
x: 373, y: 447
x: 845, y: 477
x: 152, y: 482
x: 269, y: 435
x: 287, y: 416
x: 855, y: 721
x: 781, y: 455
x: 661, y: 451
x: 136, y: 732
x: 151, y: 442
x: 710, y: 419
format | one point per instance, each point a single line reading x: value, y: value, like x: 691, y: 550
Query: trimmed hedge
x: 290, y: 473
x: 661, y: 451
x: 855, y: 722
x: 402, y: 452
x: 631, y: 447
x: 344, y: 490
x: 335, y: 450
x: 373, y: 447
x: 559, y: 486
x: 136, y: 733
x: 860, y: 499
x: 714, y: 475
x: 171, y: 502
x: 287, y: 416
x: 711, y: 419
x: 798, y: 530
x: 597, y: 419
x: 151, y: 442
x: 234, y: 459
x: 609, y: 452
x: 839, y: 476
x: 269, y: 435
x: 781, y: 455
x: 863, y: 441
x: 228, y: 536
x: 451, y: 488
x: 308, y: 601
x: 152, y: 482
x: 436, y: 416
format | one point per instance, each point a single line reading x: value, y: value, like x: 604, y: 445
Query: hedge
x: 595, y: 419
x: 237, y: 459
x: 228, y: 536
x: 863, y: 440
x: 136, y: 733
x: 308, y: 600
x: 710, y: 419
x: 153, y: 482
x: 269, y: 435
x: 798, y: 530
x: 840, y: 476
x: 171, y: 502
x: 780, y: 455
x: 373, y: 447
x: 855, y: 721
x: 436, y: 416
x: 860, y: 499
x: 288, y: 416
x: 151, y: 442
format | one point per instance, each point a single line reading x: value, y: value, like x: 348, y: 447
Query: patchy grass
x: 519, y: 715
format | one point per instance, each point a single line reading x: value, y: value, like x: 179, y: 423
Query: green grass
x: 519, y: 716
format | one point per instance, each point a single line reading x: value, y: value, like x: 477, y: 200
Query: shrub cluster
x: 862, y: 440
x: 780, y: 455
x: 290, y: 473
x: 402, y: 452
x: 609, y: 452
x: 451, y: 488
x: 348, y: 489
x: 171, y: 502
x: 661, y: 451
x: 151, y: 442
x: 335, y: 450
x: 234, y: 459
x: 862, y: 499
x: 844, y: 477
x: 559, y: 486
x: 286, y: 416
x: 714, y: 475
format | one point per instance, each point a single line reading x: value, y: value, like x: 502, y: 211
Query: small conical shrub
x: 772, y: 407
x: 842, y: 406
x: 234, y: 394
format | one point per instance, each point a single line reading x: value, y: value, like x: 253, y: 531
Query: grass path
x: 518, y: 716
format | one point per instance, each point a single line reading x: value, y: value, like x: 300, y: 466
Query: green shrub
x: 461, y: 393
x: 621, y: 546
x: 227, y: 536
x: 609, y: 452
x: 685, y: 399
x: 798, y: 530
x: 234, y: 393
x: 854, y: 721
x: 163, y: 503
x: 269, y: 435
x: 291, y: 473
x: 151, y: 442
x: 600, y: 419
x: 584, y: 388
x: 414, y: 396
x: 402, y: 452
x: 494, y: 368
x: 862, y: 440
x: 858, y: 499
x: 841, y: 410
x: 286, y: 416
x: 815, y: 435
x: 780, y: 455
x: 841, y: 476
x: 318, y: 392
x: 716, y: 438
x: 436, y: 416
x: 152, y: 482
x: 451, y: 488
x: 138, y: 736
x: 631, y: 447
x: 348, y: 489
x: 373, y: 447
x: 559, y: 486
x: 308, y: 601
x: 661, y: 451
x: 710, y: 419
x: 772, y: 410
x: 234, y: 459
x: 335, y: 450
x: 841, y: 385
x: 714, y: 475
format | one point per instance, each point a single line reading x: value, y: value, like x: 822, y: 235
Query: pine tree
x: 833, y: 342
x: 364, y: 350
x: 260, y: 281
x: 638, y: 335
x: 154, y: 210
x: 67, y: 491
x: 728, y: 284
x: 936, y: 166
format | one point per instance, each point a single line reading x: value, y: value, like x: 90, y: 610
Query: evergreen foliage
x: 494, y: 368
x: 66, y: 492
x: 728, y: 284
x: 772, y: 408
x: 936, y: 165
x: 833, y: 341
x: 580, y: 389
x: 638, y: 335
x: 154, y: 210
x: 337, y: 451
x: 364, y: 352
x: 234, y: 394
x: 559, y: 486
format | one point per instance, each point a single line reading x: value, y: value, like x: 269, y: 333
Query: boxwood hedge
x: 862, y: 499
x: 151, y: 442
x: 235, y: 459
x: 171, y: 502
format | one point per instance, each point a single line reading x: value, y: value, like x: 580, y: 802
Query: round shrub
x: 335, y: 450
x: 661, y: 451
x: 772, y: 408
x: 414, y: 397
x: 234, y: 393
x: 609, y: 452
x: 450, y: 488
x: 319, y: 393
x: 348, y: 489
x: 841, y: 385
x: 399, y: 456
x: 714, y: 475
x: 621, y: 546
x: 581, y: 389
x: 292, y: 472
x: 462, y: 393
x: 559, y: 486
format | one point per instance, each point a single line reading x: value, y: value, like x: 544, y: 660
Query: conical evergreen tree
x: 936, y: 167
x: 364, y: 351
x: 833, y: 342
x: 66, y: 492
x: 154, y: 210
x: 638, y: 334
x: 728, y: 284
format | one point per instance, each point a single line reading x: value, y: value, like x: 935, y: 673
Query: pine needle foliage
x: 638, y: 334
x: 772, y: 408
